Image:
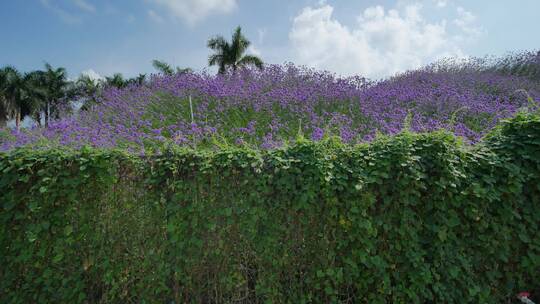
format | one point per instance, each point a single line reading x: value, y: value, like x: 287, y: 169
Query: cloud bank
x: 92, y: 75
x: 381, y: 43
x: 192, y: 11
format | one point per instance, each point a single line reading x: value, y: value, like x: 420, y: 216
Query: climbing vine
x: 413, y: 218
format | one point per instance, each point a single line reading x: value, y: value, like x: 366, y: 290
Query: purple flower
x: 317, y: 134
x: 269, y: 107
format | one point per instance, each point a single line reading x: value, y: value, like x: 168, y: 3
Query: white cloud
x: 466, y: 22
x: 382, y: 42
x: 63, y: 14
x: 82, y: 4
x: 92, y: 75
x: 192, y: 11
x: 155, y: 16
x: 441, y: 3
x: 254, y: 51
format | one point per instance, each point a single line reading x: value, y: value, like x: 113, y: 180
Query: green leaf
x: 58, y: 258
x: 329, y: 290
x: 453, y: 272
x: 524, y: 237
x: 441, y: 234
x: 68, y: 230
x: 31, y: 236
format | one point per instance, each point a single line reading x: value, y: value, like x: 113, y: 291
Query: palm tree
x: 231, y: 54
x: 57, y: 91
x: 167, y: 69
x: 180, y: 70
x: 87, y: 86
x: 4, y: 106
x: 116, y: 80
x: 12, y: 92
x: 87, y: 89
x: 162, y: 67
x: 34, y: 94
x: 137, y: 80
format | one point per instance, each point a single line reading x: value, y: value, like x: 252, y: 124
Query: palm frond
x: 251, y: 60
x: 163, y: 67
x: 180, y: 70
x: 116, y: 80
x: 214, y: 59
x: 218, y: 43
x: 231, y: 54
x: 239, y: 44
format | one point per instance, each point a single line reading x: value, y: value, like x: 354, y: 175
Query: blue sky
x: 370, y: 38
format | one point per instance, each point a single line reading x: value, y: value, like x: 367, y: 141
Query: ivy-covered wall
x: 415, y: 218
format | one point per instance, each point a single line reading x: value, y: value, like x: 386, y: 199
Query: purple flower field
x: 270, y: 108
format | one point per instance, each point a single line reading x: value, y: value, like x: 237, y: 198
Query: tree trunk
x: 18, y: 119
x: 3, y: 117
x: 46, y: 114
x: 37, y: 118
x: 3, y: 112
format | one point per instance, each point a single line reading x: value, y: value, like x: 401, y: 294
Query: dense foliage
x: 270, y: 108
x: 45, y: 95
x: 231, y: 55
x: 41, y: 94
x: 414, y: 218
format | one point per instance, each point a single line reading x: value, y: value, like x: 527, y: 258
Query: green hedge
x: 414, y: 218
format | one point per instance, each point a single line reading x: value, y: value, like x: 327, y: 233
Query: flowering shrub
x: 269, y: 108
x: 413, y: 218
